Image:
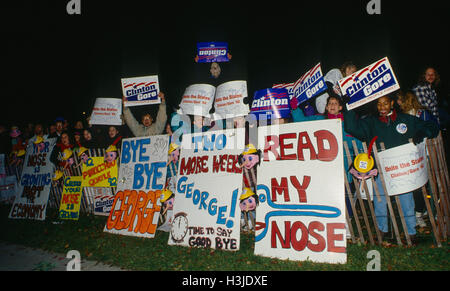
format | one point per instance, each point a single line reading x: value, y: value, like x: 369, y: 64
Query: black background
x: 56, y: 64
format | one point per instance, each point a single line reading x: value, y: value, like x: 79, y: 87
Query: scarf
x: 392, y: 116
x: 335, y: 116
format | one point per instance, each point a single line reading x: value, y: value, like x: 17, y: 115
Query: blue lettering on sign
x: 202, y: 199
x: 209, y: 143
x: 133, y: 150
x: 148, y: 175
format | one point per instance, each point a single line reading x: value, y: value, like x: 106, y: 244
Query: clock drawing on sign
x: 179, y: 227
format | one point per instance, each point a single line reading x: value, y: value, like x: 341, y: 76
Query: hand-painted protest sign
x: 228, y: 101
x: 206, y: 210
x: 287, y: 86
x: 404, y: 168
x: 209, y: 52
x: 140, y: 90
x: 8, y: 187
x: 106, y: 111
x: 197, y: 100
x: 301, y: 212
x: 271, y: 101
x: 98, y: 173
x: 35, y: 183
x: 310, y: 84
x: 136, y: 206
x: 369, y: 83
x: 69, y: 207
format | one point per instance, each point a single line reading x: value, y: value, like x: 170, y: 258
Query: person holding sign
x: 147, y: 127
x: 393, y: 129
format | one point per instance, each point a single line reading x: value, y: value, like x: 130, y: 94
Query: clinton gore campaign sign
x: 310, y: 84
x: 370, y: 83
x: 271, y: 101
x: 141, y: 90
x: 209, y: 52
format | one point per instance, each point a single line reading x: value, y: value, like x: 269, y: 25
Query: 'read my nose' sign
x: 369, y: 83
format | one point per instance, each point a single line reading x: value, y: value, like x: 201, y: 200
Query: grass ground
x: 87, y: 236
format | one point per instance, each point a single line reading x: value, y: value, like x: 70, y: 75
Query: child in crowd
x: 393, y: 129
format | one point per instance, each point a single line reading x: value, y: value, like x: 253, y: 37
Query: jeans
x: 381, y: 213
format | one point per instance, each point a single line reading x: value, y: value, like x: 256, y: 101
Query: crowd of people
x: 419, y: 109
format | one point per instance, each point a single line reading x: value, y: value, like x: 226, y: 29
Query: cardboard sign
x: 197, y: 100
x: 136, y: 207
x: 209, y: 52
x: 404, y: 168
x: 141, y: 90
x: 69, y: 207
x: 34, y: 186
x: 301, y: 212
x: 369, y: 83
x: 272, y: 102
x: 106, y: 111
x: 206, y: 210
x: 228, y: 100
x: 98, y: 173
x: 310, y: 84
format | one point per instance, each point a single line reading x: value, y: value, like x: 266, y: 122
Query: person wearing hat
x: 83, y: 154
x: 248, y: 202
x: 148, y: 127
x: 393, y: 129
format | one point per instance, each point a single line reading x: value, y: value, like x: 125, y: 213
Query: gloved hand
x: 345, y: 99
x: 309, y: 110
x: 294, y: 103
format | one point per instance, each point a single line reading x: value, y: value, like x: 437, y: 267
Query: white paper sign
x: 197, y: 100
x: 206, y: 211
x: 107, y: 111
x: 301, y: 212
x: 404, y: 168
x: 228, y: 102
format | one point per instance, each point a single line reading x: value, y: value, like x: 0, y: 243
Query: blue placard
x: 209, y: 52
x: 311, y: 84
x: 369, y: 83
x: 271, y: 101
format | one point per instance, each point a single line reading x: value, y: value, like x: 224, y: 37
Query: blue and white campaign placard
x: 209, y: 52
x: 273, y: 102
x: 369, y: 83
x: 312, y: 83
x: 141, y: 90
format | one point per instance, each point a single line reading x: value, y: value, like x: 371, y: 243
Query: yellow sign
x: 71, y: 198
x: 98, y: 173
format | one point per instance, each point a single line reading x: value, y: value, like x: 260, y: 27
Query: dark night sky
x: 57, y: 64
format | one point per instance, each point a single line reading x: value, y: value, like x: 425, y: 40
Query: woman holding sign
x: 393, y: 129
